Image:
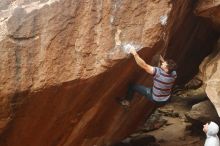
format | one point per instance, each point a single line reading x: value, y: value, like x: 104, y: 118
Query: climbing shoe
x: 125, y: 103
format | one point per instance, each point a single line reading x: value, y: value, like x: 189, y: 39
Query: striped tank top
x: 162, y: 84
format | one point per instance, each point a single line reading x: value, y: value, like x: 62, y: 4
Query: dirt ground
x: 175, y: 132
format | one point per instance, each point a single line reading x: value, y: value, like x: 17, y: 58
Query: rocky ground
x: 177, y: 131
x: 179, y: 123
x: 168, y: 126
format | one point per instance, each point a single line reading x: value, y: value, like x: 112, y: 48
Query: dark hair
x: 171, y: 65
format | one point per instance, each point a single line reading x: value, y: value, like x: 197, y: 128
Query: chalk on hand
x: 163, y: 19
x: 127, y: 46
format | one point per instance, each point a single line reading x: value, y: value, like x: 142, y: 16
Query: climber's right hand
x: 133, y: 51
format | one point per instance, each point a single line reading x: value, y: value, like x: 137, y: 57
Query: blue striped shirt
x: 162, y: 84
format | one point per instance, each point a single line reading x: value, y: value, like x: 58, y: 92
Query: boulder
x: 209, y: 73
x: 209, y: 9
x: 203, y: 112
x: 63, y: 66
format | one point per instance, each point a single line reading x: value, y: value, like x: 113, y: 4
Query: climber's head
x: 168, y: 65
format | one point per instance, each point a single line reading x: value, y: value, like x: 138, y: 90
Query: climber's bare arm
x: 162, y: 59
x: 148, y: 68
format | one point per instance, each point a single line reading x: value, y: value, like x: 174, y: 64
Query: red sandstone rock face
x: 62, y: 66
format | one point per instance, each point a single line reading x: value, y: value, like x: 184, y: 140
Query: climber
x: 163, y: 80
x: 211, y: 131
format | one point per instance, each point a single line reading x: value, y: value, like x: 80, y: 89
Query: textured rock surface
x: 203, y: 112
x: 209, y: 69
x: 209, y: 9
x: 191, y: 38
x: 46, y: 44
x: 209, y: 73
x: 61, y: 68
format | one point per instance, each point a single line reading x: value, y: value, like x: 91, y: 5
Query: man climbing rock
x: 163, y: 80
x: 211, y: 131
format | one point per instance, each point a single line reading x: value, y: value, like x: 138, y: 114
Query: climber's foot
x: 125, y: 104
